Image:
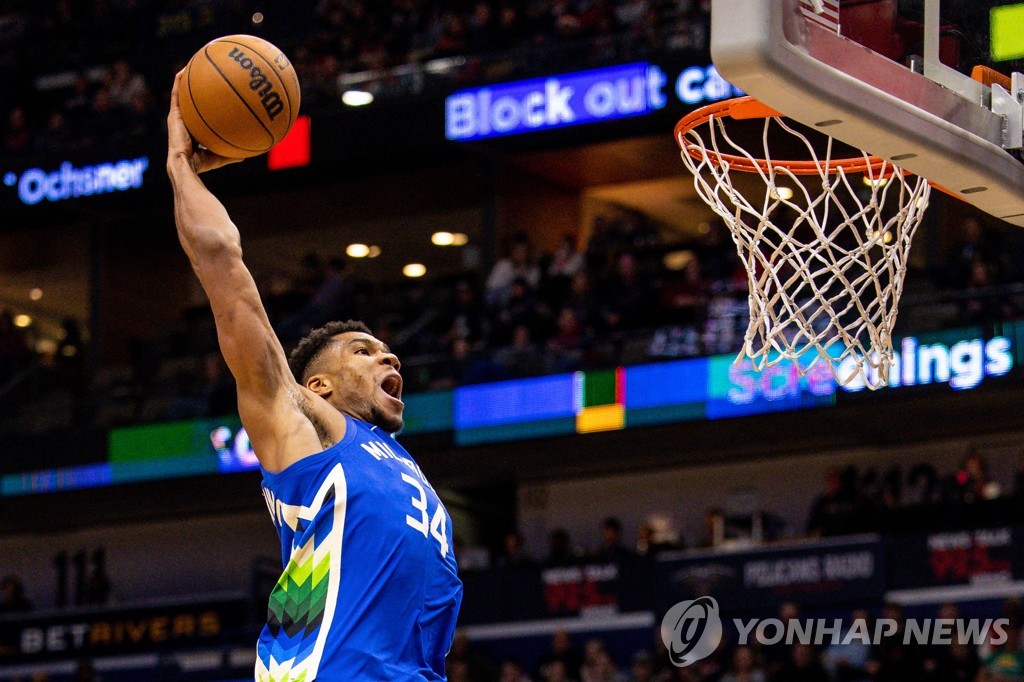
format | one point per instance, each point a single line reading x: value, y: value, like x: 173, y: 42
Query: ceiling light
x: 460, y: 239
x: 22, y: 320
x: 35, y: 294
x: 257, y: 18
x: 357, y: 250
x: 373, y: 252
x: 677, y: 260
x: 442, y: 238
x: 875, y: 182
x: 357, y: 98
x: 782, y: 193
x: 414, y: 270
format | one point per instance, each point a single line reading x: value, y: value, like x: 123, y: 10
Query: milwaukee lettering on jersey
x: 259, y: 83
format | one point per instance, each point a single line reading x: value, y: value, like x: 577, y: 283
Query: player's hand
x: 180, y: 143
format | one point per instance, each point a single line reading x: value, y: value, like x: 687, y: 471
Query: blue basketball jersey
x: 370, y: 589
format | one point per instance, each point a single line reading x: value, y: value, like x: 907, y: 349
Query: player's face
x: 367, y: 383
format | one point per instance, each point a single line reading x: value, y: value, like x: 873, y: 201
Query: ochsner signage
x: 68, y: 181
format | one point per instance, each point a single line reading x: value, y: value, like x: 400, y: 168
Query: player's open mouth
x: 392, y: 386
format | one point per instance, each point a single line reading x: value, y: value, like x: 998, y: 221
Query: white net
x: 825, y: 255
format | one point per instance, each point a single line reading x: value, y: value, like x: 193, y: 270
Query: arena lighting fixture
x: 22, y: 320
x: 783, y: 193
x: 35, y: 294
x: 874, y: 182
x: 677, y: 260
x: 257, y: 18
x: 460, y: 239
x: 442, y: 239
x: 357, y: 250
x: 357, y: 98
x: 414, y: 270
x: 373, y: 252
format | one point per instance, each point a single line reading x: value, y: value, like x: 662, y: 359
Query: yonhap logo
x: 691, y: 630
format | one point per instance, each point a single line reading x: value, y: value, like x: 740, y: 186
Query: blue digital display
x: 70, y: 182
x: 666, y: 383
x: 669, y: 392
x: 556, y: 101
x: 521, y: 400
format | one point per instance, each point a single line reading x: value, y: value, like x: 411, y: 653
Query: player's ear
x: 320, y: 384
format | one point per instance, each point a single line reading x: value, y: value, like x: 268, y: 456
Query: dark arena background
x: 567, y: 312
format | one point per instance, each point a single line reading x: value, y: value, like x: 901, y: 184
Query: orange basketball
x: 239, y: 96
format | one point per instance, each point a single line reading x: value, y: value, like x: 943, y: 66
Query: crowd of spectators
x: 620, y: 297
x: 893, y: 659
x: 75, y: 75
x: 852, y: 501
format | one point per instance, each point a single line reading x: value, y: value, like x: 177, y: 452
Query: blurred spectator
x: 521, y: 308
x: 803, y: 666
x: 598, y: 664
x: 971, y: 483
x: 211, y: 394
x: 979, y: 246
x: 565, y: 345
x: 563, y: 654
x: 897, y: 657
x: 833, y: 510
x: 512, y: 671
x: 78, y: 103
x: 744, y: 667
x: 556, y: 671
x: 565, y: 264
x: 642, y: 669
x: 684, y: 298
x: 519, y: 264
x: 513, y: 555
x: 847, y: 659
x: 56, y: 137
x: 714, y: 526
x: 522, y: 358
x: 331, y: 300
x: 12, y: 596
x: 124, y: 84
x: 654, y: 536
x: 17, y: 137
x: 1005, y: 663
x: 779, y: 656
x: 465, y: 318
x: 626, y: 297
x: 560, y: 551
x: 612, y: 547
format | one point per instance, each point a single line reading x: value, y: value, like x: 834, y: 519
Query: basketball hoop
x: 825, y: 257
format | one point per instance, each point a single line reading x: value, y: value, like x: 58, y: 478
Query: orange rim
x: 744, y: 108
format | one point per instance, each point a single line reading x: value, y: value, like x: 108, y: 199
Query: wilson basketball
x: 239, y: 96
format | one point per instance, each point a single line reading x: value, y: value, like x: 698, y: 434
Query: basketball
x: 239, y: 96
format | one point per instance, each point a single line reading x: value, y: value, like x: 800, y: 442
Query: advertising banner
x: 24, y: 637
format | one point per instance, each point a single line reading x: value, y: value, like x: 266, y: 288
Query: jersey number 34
x: 436, y: 525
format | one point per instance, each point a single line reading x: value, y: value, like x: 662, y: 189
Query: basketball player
x: 369, y: 589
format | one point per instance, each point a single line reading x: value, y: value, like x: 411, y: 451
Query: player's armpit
x: 278, y: 429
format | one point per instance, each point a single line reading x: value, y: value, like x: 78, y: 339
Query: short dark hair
x: 313, y: 344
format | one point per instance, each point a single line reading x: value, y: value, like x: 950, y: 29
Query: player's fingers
x: 174, y: 90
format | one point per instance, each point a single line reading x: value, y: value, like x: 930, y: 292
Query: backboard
x: 892, y: 77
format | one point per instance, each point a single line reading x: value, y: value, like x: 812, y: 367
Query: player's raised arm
x: 269, y: 399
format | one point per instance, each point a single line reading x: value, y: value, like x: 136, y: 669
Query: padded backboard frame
x: 768, y: 49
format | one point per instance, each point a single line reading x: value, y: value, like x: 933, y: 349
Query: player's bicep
x: 248, y: 342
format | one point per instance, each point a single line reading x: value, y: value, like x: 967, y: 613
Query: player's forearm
x: 204, y: 227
